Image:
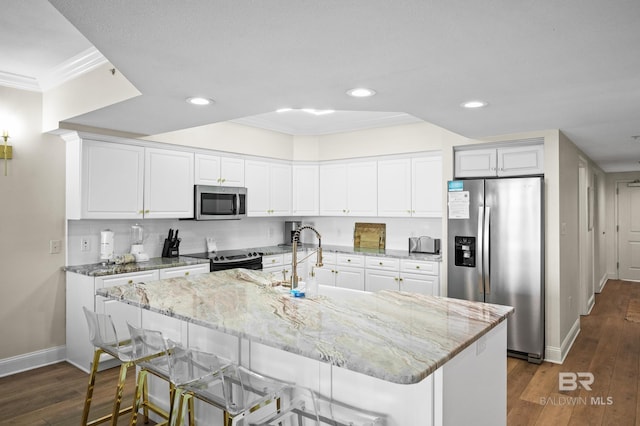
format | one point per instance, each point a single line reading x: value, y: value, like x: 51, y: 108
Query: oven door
x: 253, y: 263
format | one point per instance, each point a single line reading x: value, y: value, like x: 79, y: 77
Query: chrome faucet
x: 294, y: 255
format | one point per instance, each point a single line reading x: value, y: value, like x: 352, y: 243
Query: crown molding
x: 68, y: 70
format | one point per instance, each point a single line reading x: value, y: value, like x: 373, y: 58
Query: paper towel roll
x: 106, y: 244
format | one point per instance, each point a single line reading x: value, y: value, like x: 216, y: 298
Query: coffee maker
x: 290, y: 227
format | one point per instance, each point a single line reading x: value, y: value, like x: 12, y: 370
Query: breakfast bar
x: 412, y: 357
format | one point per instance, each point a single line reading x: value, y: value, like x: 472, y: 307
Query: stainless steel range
x: 229, y: 259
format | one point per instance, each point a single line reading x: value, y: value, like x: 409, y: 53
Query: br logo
x: 572, y: 381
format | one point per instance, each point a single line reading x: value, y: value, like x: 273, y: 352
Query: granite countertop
x: 395, y: 336
x: 99, y: 270
x: 328, y: 248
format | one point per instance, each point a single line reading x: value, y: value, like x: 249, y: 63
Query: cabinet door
x: 423, y: 284
x: 326, y: 275
x: 207, y: 169
x: 376, y: 280
x: 475, y: 163
x: 306, y: 190
x: 352, y: 278
x: 520, y: 161
x: 333, y: 189
x: 362, y: 189
x: 121, y: 313
x: 257, y: 182
x: 231, y: 171
x: 168, y: 184
x: 426, y: 186
x: 112, y: 181
x: 280, y: 189
x: 394, y: 188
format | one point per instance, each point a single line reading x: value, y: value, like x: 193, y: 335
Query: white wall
x: 32, y: 309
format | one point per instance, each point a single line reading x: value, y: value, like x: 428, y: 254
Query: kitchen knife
x: 175, y: 237
x: 170, y: 236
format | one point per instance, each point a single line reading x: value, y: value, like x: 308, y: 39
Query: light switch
x: 55, y: 246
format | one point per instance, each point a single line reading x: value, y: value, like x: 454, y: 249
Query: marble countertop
x: 326, y: 248
x: 395, y: 336
x: 99, y: 270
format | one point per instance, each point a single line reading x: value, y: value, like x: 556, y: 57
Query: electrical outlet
x: 85, y: 244
x: 55, y: 246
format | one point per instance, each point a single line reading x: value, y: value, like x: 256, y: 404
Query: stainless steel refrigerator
x: 496, y: 253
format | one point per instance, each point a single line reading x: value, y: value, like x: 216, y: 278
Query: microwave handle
x: 237, y: 204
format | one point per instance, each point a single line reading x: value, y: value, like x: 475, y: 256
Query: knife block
x: 169, y: 250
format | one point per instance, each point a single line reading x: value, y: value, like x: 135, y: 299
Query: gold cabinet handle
x: 401, y: 279
x: 130, y: 282
x: 417, y: 266
x: 348, y: 260
x: 146, y: 211
x: 380, y: 263
x: 186, y: 273
x: 395, y: 278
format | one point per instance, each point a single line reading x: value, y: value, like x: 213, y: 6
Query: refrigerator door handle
x: 479, y: 254
x: 486, y: 257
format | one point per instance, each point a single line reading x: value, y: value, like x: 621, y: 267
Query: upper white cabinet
x: 168, y: 184
x: 502, y: 161
x: 410, y: 187
x: 221, y: 171
x: 104, y: 180
x: 349, y: 189
x: 268, y: 188
x: 107, y: 180
x: 306, y: 190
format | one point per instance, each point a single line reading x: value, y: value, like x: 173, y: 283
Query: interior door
x: 629, y: 231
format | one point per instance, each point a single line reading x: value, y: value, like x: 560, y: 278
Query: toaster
x: 424, y: 245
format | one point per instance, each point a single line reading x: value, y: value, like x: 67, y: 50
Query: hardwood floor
x: 608, y: 346
x: 54, y: 395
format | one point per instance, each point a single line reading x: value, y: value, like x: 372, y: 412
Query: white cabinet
x: 268, y: 188
x: 281, y: 265
x: 216, y: 170
x: 109, y: 180
x: 503, y: 161
x: 410, y: 187
x: 104, y: 180
x: 185, y: 271
x: 416, y: 276
x: 349, y: 189
x: 341, y: 270
x: 168, y: 184
x: 306, y: 190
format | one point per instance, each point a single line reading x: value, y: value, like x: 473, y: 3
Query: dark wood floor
x: 608, y: 346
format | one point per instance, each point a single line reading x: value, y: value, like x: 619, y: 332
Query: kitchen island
x: 412, y: 357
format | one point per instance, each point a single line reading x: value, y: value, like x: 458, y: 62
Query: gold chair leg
x: 138, y: 397
x: 90, y: 386
x: 119, y: 391
x: 192, y: 412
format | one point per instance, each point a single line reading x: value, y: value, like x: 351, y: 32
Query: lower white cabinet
x: 341, y: 270
x: 281, y: 265
x: 415, y: 276
x: 81, y: 291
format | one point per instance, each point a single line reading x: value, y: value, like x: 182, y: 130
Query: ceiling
x: 570, y: 65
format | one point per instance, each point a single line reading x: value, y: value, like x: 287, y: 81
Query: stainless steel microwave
x: 220, y: 202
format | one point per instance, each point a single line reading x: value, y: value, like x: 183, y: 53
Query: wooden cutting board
x: 370, y: 235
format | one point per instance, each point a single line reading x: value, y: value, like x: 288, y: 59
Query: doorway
x: 628, y: 194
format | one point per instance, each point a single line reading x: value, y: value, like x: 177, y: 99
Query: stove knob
x: 221, y: 257
x: 250, y: 254
x: 215, y: 258
x: 255, y: 254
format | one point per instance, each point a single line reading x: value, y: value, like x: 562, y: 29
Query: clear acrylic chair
x: 234, y: 389
x: 103, y: 336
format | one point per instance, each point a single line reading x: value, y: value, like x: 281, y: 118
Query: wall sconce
x: 7, y: 153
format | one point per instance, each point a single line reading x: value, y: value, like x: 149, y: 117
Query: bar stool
x: 103, y: 336
x: 234, y: 389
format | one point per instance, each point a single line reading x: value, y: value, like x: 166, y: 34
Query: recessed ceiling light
x: 361, y: 92
x: 318, y: 111
x: 199, y: 101
x: 474, y: 104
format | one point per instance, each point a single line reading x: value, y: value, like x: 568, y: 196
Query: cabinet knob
x: 186, y: 273
x: 380, y: 263
x: 348, y: 260
x: 395, y: 279
x: 223, y: 180
x: 141, y: 212
x: 417, y: 266
x: 130, y: 282
x: 146, y: 211
x: 401, y: 279
x: 273, y: 261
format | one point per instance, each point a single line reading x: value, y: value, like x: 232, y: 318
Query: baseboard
x: 591, y: 303
x: 557, y: 355
x: 603, y: 282
x: 20, y: 363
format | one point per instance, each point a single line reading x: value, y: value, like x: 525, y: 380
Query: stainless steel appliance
x: 219, y: 202
x: 496, y: 253
x: 424, y: 245
x: 229, y: 259
x: 290, y: 228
